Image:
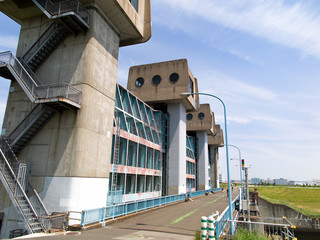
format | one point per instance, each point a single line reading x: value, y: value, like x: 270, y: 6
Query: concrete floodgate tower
x: 160, y: 86
x: 200, y: 124
x: 215, y: 141
x: 58, y: 125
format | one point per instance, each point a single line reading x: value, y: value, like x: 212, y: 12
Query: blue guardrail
x: 223, y: 219
x: 109, y: 212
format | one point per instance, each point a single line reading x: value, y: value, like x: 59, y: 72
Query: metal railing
x: 65, y: 7
x: 35, y: 91
x: 110, y: 212
x: 273, y: 228
x: 224, y: 218
x: 9, y: 155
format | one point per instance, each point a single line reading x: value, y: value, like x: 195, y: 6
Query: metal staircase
x: 12, y: 177
x: 44, y: 46
x: 69, y: 16
x: 29, y: 127
x: 71, y: 13
x: 61, y: 95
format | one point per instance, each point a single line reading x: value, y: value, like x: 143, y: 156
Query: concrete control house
x: 74, y: 139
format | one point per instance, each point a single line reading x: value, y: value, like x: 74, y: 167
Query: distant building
x: 292, y: 183
x: 267, y: 181
x: 280, y: 181
x: 256, y: 180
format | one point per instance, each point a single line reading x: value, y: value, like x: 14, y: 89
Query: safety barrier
x: 222, y: 221
x: 110, y: 212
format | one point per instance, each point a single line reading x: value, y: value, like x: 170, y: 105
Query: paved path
x: 178, y: 221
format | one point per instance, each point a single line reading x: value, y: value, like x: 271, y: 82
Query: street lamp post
x: 227, y: 149
x: 240, y: 168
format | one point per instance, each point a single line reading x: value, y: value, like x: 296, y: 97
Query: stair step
x: 37, y: 229
x: 28, y: 214
x: 35, y: 224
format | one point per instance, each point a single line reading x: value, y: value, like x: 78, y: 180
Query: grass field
x: 303, y: 199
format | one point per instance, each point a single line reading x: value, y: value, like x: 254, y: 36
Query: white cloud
x: 233, y: 89
x: 296, y: 25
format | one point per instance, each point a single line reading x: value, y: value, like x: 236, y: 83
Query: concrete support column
x: 203, y: 159
x: 214, y: 166
x: 177, y: 149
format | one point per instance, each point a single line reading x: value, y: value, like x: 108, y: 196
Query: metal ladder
x: 115, y: 160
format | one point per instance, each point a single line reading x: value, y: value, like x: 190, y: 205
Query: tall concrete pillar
x: 203, y: 160
x: 214, y: 168
x: 177, y: 148
x: 215, y: 141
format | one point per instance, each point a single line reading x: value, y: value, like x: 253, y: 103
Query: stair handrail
x: 61, y: 89
x: 25, y: 122
x: 35, y: 91
x: 9, y: 154
x: 19, y: 187
x: 29, y: 70
x: 9, y: 59
x: 64, y: 7
x: 35, y: 193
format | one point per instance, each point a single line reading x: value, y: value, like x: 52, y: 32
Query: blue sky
x: 260, y: 57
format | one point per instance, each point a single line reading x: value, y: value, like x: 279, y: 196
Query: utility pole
x: 248, y: 200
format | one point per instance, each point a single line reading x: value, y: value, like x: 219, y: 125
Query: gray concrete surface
x: 178, y: 221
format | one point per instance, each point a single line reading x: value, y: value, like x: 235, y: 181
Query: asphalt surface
x: 177, y: 221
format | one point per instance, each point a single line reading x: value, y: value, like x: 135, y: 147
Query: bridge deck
x: 178, y: 221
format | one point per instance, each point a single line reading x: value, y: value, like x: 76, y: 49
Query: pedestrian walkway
x: 177, y: 221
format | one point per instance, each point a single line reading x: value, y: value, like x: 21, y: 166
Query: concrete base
x: 74, y: 193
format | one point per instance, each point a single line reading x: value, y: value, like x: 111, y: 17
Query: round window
x: 139, y: 81
x: 156, y: 80
x: 201, y: 116
x: 189, y: 116
x: 174, y: 77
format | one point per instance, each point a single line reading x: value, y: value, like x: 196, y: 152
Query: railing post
x: 47, y: 95
x: 68, y: 89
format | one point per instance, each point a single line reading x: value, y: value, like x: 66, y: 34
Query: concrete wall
x: 177, y: 149
x: 195, y: 122
x: 166, y: 91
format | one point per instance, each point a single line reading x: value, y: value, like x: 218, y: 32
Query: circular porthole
x: 139, y: 81
x: 174, y: 77
x: 156, y: 80
x: 189, y: 116
x: 201, y: 116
